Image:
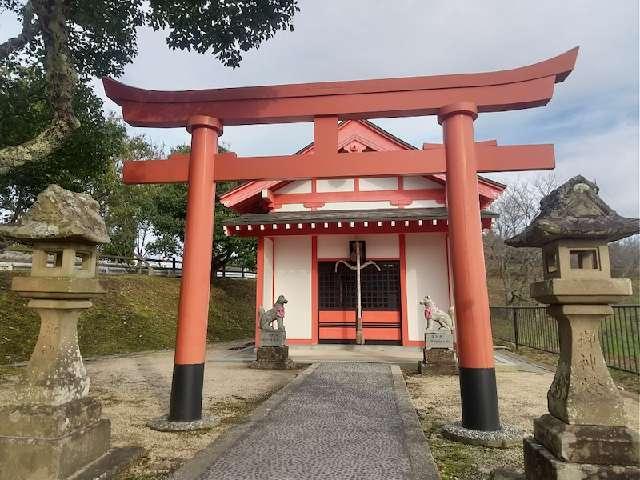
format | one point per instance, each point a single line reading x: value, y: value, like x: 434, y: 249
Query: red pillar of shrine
x: 193, y: 311
x: 475, y: 344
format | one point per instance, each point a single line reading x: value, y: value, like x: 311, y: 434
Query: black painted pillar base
x: 479, y: 396
x: 186, y: 393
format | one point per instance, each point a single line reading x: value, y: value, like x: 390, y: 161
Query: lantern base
x: 51, y: 442
x: 541, y: 464
x: 596, y: 444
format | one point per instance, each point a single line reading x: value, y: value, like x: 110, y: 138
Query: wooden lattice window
x: 380, y: 289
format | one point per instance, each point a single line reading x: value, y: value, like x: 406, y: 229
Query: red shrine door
x: 381, y: 303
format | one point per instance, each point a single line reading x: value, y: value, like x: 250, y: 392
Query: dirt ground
x: 136, y: 388
x: 522, y: 396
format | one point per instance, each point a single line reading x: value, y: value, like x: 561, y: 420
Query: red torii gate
x: 456, y: 99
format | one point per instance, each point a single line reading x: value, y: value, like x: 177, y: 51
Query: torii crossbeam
x: 228, y: 166
x: 456, y: 99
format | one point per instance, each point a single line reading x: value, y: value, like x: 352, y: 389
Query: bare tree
x: 625, y: 257
x: 516, y: 267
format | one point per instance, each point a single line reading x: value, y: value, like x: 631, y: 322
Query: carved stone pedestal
x: 584, y: 436
x: 441, y: 357
x: 272, y: 338
x: 273, y: 358
x: 540, y: 463
x: 596, y: 444
x: 583, y: 391
x: 51, y: 442
x: 52, y: 430
x: 441, y: 360
x: 56, y: 373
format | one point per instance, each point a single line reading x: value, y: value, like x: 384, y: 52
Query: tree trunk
x: 61, y: 80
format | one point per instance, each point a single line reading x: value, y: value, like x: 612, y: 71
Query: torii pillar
x: 478, y: 389
x: 193, y: 311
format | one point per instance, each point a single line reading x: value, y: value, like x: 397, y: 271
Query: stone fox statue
x: 267, y: 317
x: 436, y: 316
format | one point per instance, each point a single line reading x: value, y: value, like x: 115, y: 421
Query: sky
x: 592, y: 118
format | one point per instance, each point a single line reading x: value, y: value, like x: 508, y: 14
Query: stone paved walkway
x: 341, y: 421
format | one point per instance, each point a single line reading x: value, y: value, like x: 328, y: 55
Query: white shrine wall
x: 369, y: 184
x: 427, y: 274
x: 302, y: 192
x: 378, y: 246
x: 267, y: 283
x: 292, y: 278
x: 297, y: 186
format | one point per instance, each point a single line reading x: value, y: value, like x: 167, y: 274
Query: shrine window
x: 337, y: 290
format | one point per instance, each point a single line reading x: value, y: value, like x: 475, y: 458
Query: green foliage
x: 137, y: 313
x: 78, y: 165
x: 103, y: 33
x: 234, y: 249
x: 226, y: 28
x: 170, y: 218
x: 127, y: 209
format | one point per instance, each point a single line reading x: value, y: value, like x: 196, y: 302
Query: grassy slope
x: 137, y: 313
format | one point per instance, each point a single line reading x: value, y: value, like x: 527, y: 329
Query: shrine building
x: 306, y: 227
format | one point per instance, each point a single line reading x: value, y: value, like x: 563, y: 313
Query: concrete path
x: 335, y: 421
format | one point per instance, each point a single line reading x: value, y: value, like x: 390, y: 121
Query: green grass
x: 137, y: 313
x: 620, y: 337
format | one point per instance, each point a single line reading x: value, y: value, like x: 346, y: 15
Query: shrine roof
x: 320, y: 216
x: 375, y: 128
x: 244, y: 197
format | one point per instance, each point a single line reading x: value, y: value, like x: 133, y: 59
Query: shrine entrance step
x: 335, y: 420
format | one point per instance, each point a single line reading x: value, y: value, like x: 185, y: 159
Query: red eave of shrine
x: 248, y: 196
x: 519, y: 88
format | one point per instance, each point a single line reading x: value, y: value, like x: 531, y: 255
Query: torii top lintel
x: 519, y: 88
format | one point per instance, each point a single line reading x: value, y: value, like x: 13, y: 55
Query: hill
x: 137, y: 313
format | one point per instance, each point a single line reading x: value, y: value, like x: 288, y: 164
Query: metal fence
x: 117, y: 265
x: 533, y: 327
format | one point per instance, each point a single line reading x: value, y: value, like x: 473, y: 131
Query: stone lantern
x: 54, y: 429
x: 585, y: 433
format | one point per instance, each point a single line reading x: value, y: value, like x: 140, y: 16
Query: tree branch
x: 25, y: 36
x: 61, y: 80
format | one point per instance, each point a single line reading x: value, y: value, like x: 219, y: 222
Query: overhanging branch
x: 45, y: 143
x: 29, y: 29
x: 61, y: 79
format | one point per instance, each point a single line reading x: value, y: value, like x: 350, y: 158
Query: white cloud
x: 593, y: 118
x: 610, y: 158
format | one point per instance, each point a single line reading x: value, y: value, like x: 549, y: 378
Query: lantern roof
x: 59, y: 215
x: 575, y: 211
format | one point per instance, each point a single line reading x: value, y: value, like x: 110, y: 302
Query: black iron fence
x: 533, y: 327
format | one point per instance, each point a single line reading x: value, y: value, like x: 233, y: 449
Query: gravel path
x: 342, y: 421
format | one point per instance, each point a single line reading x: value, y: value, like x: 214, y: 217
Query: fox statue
x: 274, y: 314
x: 436, y: 318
